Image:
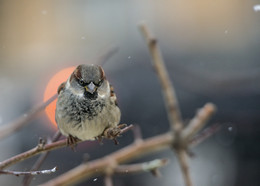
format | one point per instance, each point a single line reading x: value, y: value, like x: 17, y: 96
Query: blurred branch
x: 137, y: 134
x: 126, y: 154
x: 183, y: 161
x: 205, y: 134
x: 170, y: 100
x: 141, y: 167
x: 14, y: 126
x: 108, y: 180
x: 34, y: 173
x: 182, y: 135
x: 100, y: 166
x: 200, y: 119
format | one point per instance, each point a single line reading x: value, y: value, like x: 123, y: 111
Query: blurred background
x: 211, y: 50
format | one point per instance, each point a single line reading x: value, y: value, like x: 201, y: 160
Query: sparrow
x: 87, y: 105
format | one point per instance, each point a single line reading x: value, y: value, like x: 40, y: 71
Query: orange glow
x: 51, y: 90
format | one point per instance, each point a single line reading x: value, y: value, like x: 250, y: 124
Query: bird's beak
x: 91, y: 88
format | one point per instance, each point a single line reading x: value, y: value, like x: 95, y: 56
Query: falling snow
x: 129, y: 57
x: 83, y: 37
x: 256, y: 8
x: 230, y: 128
x: 95, y: 179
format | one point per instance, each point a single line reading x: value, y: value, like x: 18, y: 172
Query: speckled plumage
x: 82, y: 114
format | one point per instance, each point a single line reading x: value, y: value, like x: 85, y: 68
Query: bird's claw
x: 112, y: 133
x: 72, y: 142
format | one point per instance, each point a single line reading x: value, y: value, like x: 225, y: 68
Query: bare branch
x: 99, y: 166
x: 206, y: 133
x: 14, y: 126
x: 30, y: 153
x: 141, y: 167
x: 198, y: 121
x: 183, y: 160
x: 108, y: 180
x: 41, y: 148
x: 170, y: 100
x: 127, y: 128
x: 34, y: 173
x: 137, y: 134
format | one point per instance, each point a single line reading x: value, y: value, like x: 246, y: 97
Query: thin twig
x: 34, y: 173
x: 170, y: 100
x: 127, y: 128
x: 30, y: 153
x: 137, y: 134
x: 141, y: 167
x: 28, y: 178
x: 108, y: 180
x: 14, y: 126
x: 208, y: 132
x: 198, y: 121
x: 41, y: 148
x: 183, y: 161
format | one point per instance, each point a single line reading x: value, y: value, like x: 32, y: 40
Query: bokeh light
x: 51, y: 90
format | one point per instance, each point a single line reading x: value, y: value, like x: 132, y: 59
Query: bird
x: 87, y: 106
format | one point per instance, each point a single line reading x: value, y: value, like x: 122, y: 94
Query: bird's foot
x: 113, y: 132
x: 72, y: 142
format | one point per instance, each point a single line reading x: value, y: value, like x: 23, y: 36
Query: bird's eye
x: 81, y: 82
x: 99, y: 83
